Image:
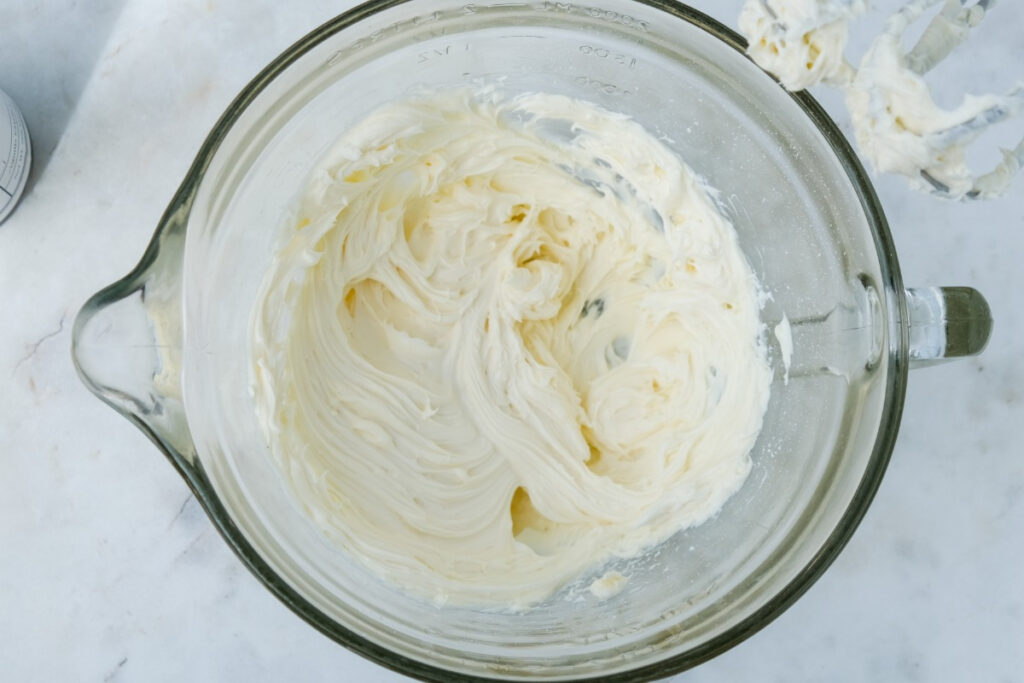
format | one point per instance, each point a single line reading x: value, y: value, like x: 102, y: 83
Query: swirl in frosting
x: 503, y: 341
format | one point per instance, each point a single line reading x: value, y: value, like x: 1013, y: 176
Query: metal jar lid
x: 15, y: 155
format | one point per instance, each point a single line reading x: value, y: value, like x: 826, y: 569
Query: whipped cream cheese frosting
x: 504, y: 340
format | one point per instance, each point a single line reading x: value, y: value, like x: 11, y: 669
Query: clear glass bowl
x: 166, y: 345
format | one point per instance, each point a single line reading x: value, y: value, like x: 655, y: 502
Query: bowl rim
x: 190, y: 468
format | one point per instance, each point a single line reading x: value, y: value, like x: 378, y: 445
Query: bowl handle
x: 946, y: 323
x: 127, y: 343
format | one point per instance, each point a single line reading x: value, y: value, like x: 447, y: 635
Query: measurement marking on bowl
x: 602, y: 86
x: 625, y: 60
x: 445, y: 51
x: 557, y: 6
x: 390, y: 29
x: 615, y: 17
x: 595, y: 13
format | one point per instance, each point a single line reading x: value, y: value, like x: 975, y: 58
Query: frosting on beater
x: 897, y: 123
x: 800, y: 41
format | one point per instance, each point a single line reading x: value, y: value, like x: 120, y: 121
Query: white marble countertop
x: 110, y: 571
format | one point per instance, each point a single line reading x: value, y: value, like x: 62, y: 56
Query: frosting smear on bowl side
x: 503, y: 341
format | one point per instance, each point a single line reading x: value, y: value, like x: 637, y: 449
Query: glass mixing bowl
x: 166, y: 345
